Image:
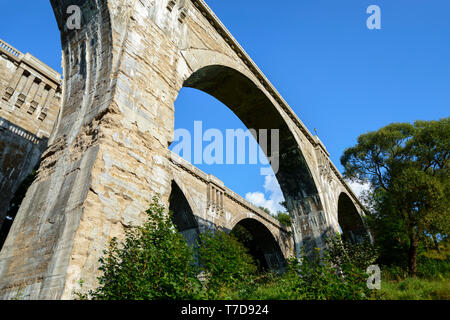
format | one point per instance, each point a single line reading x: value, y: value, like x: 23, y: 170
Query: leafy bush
x: 337, y: 273
x: 431, y: 265
x: 323, y: 279
x: 154, y: 262
x: 361, y: 254
x: 284, y: 218
x: 227, y: 264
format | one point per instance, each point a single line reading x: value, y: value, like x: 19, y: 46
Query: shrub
x: 154, y: 262
x: 361, y: 255
x: 318, y: 278
x: 321, y: 279
x: 227, y: 264
x: 429, y: 268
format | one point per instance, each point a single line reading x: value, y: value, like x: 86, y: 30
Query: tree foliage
x: 407, y: 166
x: 335, y: 274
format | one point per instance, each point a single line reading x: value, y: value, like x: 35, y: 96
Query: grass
x: 415, y: 289
x: 432, y: 283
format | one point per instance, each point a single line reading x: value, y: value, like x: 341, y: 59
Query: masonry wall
x: 29, y: 105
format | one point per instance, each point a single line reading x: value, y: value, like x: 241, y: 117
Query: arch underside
x: 182, y: 215
x: 253, y: 107
x: 352, y: 226
x: 260, y: 243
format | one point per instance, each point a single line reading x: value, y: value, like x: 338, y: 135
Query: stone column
x: 23, y: 95
x: 13, y: 83
x: 37, y: 98
x: 47, y: 104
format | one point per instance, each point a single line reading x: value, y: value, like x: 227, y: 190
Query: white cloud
x: 359, y: 188
x: 273, y: 191
x: 272, y: 195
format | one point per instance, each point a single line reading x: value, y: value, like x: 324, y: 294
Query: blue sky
x: 336, y: 74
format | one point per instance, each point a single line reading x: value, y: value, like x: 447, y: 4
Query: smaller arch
x: 183, y: 216
x: 350, y: 221
x: 260, y: 243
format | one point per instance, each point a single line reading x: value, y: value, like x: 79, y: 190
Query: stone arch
x: 260, y: 242
x: 122, y: 72
x: 350, y: 221
x: 183, y: 216
x: 249, y: 102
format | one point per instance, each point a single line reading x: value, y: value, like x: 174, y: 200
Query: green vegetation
x: 407, y: 166
x: 431, y: 283
x: 227, y: 265
x: 415, y: 289
x: 282, y: 217
x: 155, y: 262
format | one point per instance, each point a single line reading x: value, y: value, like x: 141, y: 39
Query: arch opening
x: 182, y: 215
x: 260, y: 243
x: 257, y: 111
x: 350, y: 221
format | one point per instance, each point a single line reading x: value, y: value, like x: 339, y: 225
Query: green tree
x: 265, y: 210
x: 284, y: 218
x: 407, y: 165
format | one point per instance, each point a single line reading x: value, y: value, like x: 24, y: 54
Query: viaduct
x: 102, y: 135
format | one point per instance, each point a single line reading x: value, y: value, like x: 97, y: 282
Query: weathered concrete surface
x: 29, y: 104
x: 108, y: 153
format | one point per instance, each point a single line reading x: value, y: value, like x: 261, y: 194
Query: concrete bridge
x: 108, y: 152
